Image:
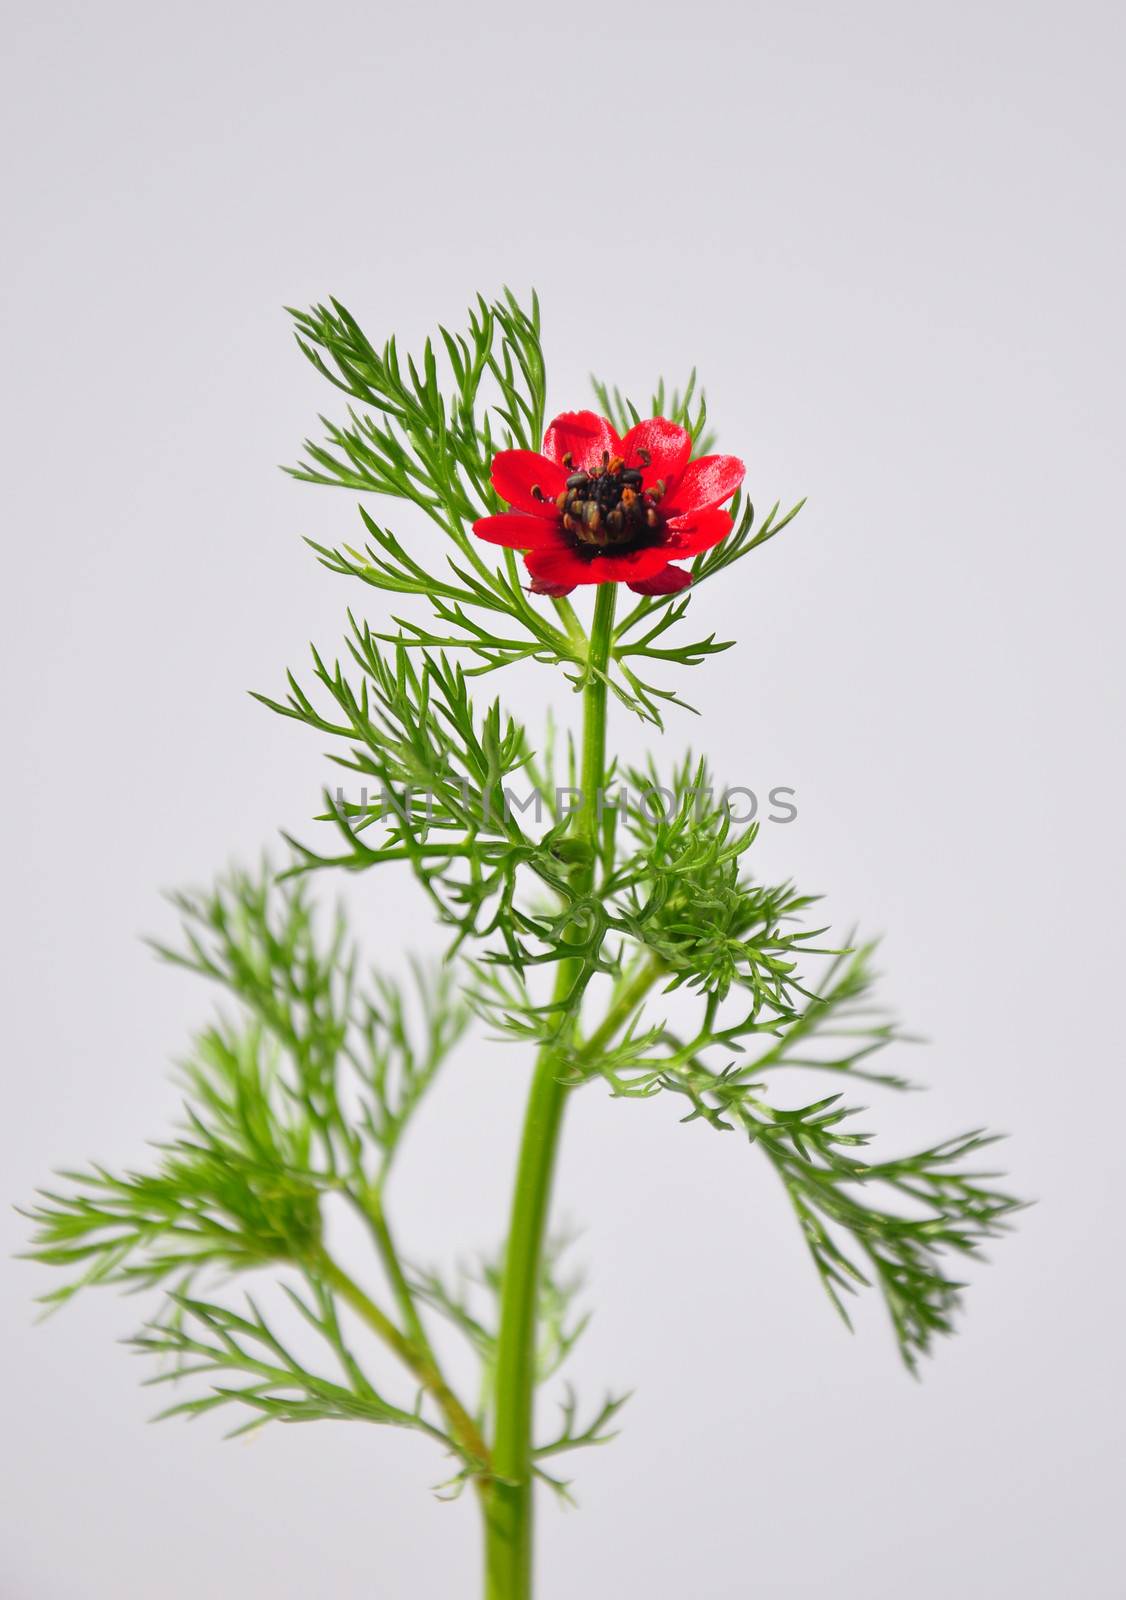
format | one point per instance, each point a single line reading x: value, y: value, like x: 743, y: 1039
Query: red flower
x: 594, y: 508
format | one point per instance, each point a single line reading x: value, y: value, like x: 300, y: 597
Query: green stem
x: 569, y: 618
x: 637, y: 987
x: 463, y: 1430
x: 509, y: 1507
x: 376, y: 1218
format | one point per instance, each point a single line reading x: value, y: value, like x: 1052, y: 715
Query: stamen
x: 608, y: 509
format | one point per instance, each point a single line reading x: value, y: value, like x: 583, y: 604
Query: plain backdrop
x: 890, y: 237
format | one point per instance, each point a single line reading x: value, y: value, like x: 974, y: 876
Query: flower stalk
x: 510, y: 1509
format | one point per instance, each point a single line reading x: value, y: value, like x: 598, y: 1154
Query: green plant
x: 561, y: 931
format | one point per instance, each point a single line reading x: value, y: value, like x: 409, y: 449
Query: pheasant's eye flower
x: 594, y: 508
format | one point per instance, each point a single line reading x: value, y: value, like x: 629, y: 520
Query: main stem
x: 510, y: 1503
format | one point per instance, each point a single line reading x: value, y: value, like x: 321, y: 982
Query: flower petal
x: 667, y: 445
x: 668, y: 581
x: 696, y: 531
x: 555, y: 569
x: 584, y: 436
x: 703, y: 484
x: 554, y: 591
x: 517, y: 530
x: 555, y: 564
x: 517, y: 472
x: 633, y: 566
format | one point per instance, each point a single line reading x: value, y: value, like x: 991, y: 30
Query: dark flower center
x: 608, y: 509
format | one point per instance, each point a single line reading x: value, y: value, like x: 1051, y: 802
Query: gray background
x: 890, y: 236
